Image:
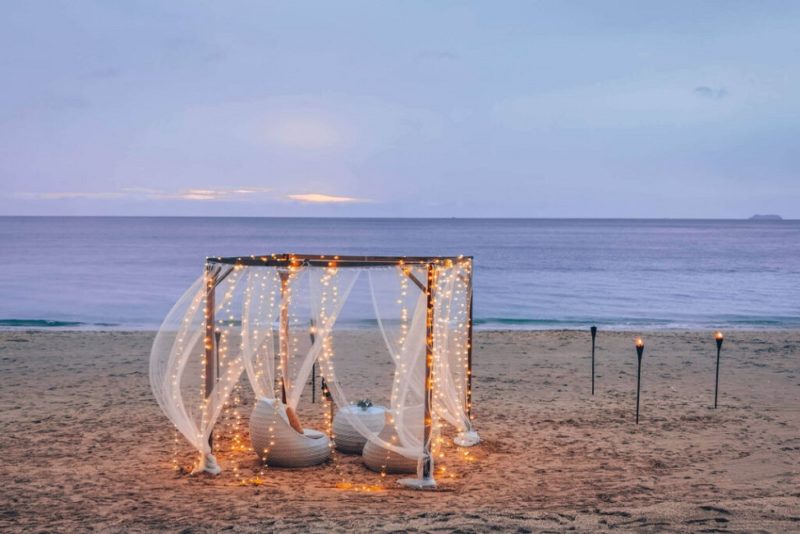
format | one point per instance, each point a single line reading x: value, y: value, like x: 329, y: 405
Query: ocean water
x: 125, y: 273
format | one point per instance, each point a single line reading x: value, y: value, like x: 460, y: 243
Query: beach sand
x: 85, y: 447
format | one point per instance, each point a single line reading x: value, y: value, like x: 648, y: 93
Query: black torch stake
x: 594, y: 334
x: 718, y: 336
x: 639, y: 352
x: 311, y: 331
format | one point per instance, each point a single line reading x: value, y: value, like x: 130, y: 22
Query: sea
x: 126, y: 272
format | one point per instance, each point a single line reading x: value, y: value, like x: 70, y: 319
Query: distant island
x: 758, y: 217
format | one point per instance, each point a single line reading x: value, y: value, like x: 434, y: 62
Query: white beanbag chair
x: 278, y: 444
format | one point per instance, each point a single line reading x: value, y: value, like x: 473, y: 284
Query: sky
x: 400, y: 109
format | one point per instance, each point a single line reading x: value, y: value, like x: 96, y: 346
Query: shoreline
x: 366, y: 329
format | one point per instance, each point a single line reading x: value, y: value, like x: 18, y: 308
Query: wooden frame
x: 215, y: 275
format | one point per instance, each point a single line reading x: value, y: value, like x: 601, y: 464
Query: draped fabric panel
x: 329, y: 289
x: 450, y: 346
x: 406, y: 346
x: 180, y: 335
x: 259, y: 313
x: 177, y: 365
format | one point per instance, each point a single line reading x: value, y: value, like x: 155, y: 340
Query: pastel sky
x: 444, y: 109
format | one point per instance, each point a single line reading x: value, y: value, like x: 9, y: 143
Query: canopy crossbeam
x: 316, y: 260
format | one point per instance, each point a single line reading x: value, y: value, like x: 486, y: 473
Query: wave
x: 705, y: 323
x: 50, y: 323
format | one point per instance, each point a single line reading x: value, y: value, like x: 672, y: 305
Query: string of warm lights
x: 403, y: 273
x: 329, y: 296
x: 175, y: 464
x: 178, y: 349
x: 448, y: 337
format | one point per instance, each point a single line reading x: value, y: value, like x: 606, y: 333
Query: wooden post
x: 211, y: 364
x: 427, y: 456
x: 284, y: 332
x: 426, y: 480
x: 469, y: 349
x: 313, y: 365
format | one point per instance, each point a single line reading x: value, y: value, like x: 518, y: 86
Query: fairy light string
x: 329, y: 296
x: 177, y: 352
x: 450, y: 340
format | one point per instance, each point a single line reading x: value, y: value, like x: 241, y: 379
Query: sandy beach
x: 85, y: 447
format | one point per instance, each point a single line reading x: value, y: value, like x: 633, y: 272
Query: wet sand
x: 85, y: 447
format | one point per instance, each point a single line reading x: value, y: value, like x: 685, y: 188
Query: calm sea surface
x: 85, y: 272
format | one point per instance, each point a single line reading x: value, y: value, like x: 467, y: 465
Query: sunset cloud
x: 196, y: 194
x: 205, y: 194
x: 320, y: 198
x: 70, y: 195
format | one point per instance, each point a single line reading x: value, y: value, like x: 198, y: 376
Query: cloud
x: 239, y: 193
x: 194, y: 194
x: 141, y: 190
x: 704, y: 91
x: 197, y: 194
x: 616, y: 104
x: 250, y: 190
x: 69, y: 195
x: 320, y: 198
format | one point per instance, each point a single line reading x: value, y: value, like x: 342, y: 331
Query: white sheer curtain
x: 260, y: 310
x: 177, y: 367
x: 329, y: 289
x: 326, y: 303
x: 404, y: 333
x: 451, y: 345
x: 180, y: 335
x: 404, y: 339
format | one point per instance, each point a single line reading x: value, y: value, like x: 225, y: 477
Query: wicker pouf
x: 347, y: 438
x: 379, y: 459
x: 270, y: 431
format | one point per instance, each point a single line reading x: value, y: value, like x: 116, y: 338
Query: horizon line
x: 782, y: 219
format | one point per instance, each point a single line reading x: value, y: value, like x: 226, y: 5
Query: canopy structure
x: 243, y: 315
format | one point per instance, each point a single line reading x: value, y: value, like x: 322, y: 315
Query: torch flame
x: 718, y: 335
x: 639, y: 342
